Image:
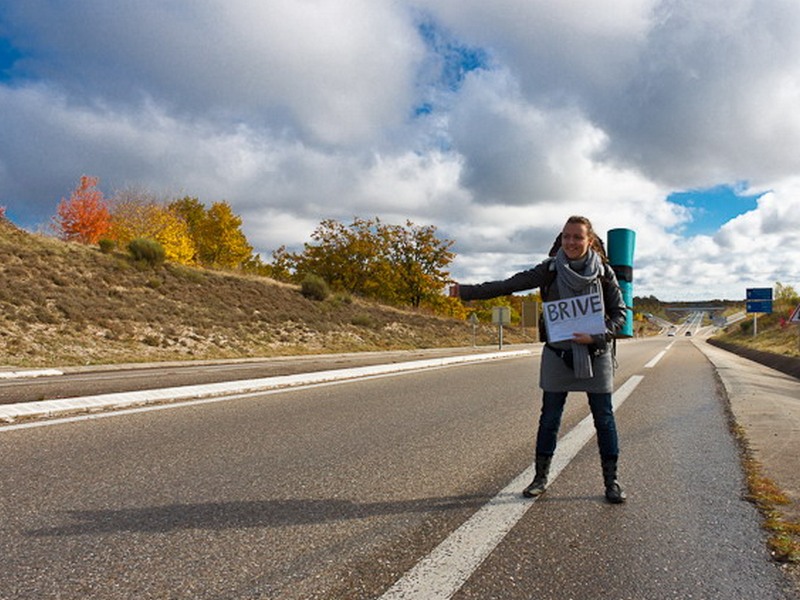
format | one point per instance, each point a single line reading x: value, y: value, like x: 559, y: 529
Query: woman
x: 582, y: 364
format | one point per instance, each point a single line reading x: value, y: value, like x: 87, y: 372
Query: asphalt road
x: 336, y: 491
x: 84, y: 381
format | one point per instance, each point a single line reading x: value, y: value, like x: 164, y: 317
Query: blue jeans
x: 602, y: 413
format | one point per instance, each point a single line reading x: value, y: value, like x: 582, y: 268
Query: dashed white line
x: 441, y: 573
x: 654, y: 361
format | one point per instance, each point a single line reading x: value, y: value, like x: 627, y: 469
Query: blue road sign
x: 759, y: 306
x: 759, y: 294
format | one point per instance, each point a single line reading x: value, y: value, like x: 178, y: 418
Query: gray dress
x: 555, y: 375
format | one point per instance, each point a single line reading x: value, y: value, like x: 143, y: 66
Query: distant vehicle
x: 671, y: 334
x: 688, y: 333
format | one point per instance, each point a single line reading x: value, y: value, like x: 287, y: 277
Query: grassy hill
x: 66, y: 304
x: 774, y: 333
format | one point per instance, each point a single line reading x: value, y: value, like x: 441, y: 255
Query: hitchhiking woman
x: 583, y: 363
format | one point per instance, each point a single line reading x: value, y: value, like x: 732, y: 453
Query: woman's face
x: 575, y: 240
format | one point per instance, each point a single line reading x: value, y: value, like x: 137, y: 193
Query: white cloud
x: 297, y: 111
x: 338, y: 71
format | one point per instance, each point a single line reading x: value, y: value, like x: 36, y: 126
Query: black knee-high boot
x: 614, y: 492
x: 539, y: 483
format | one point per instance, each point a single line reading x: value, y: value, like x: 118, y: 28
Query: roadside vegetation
x: 66, y: 303
x: 134, y: 277
x: 780, y: 522
x: 775, y: 335
x: 773, y: 332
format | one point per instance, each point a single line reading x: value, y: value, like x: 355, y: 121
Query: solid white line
x: 441, y: 573
x: 8, y: 412
x: 268, y: 386
x: 187, y: 403
x: 29, y: 373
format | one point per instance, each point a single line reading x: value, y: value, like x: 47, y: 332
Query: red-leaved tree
x: 85, y: 217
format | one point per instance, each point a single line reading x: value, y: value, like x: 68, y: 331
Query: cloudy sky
x: 493, y: 121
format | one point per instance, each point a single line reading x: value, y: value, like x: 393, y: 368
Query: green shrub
x: 343, y: 298
x: 314, y: 288
x: 147, y: 250
x: 106, y: 245
x: 364, y: 320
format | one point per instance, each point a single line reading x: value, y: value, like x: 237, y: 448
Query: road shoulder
x: 765, y: 404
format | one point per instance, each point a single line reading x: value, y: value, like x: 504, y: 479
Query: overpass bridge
x: 697, y: 308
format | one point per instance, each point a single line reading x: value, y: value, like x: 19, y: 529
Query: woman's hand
x: 582, y: 338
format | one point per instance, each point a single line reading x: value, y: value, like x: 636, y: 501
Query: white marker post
x: 501, y: 315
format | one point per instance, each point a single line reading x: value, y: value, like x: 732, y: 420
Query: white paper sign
x: 581, y: 314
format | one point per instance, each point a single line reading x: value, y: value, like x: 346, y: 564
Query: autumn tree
x: 192, y: 212
x: 349, y: 258
x: 786, y: 298
x: 220, y: 240
x: 283, y: 264
x: 217, y: 235
x: 85, y: 217
x: 419, y: 261
x: 402, y: 265
x: 139, y: 214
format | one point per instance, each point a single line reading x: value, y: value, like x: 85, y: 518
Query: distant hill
x: 67, y: 304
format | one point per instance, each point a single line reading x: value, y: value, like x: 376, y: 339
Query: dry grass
x: 68, y: 304
x: 772, y: 335
x: 782, y: 529
x: 776, y: 507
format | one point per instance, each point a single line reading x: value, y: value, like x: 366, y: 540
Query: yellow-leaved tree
x: 173, y: 233
x: 220, y: 241
x: 139, y: 214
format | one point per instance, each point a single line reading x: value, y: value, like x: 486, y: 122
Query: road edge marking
x: 216, y: 392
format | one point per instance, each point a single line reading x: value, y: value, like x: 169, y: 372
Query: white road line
x: 30, y: 373
x: 441, y: 573
x: 654, y: 361
x: 126, y: 403
x: 9, y: 412
x: 196, y: 402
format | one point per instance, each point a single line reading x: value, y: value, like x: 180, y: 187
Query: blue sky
x: 491, y: 121
x: 711, y: 208
x: 8, y: 56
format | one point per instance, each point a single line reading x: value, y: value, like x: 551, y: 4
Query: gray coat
x: 555, y: 375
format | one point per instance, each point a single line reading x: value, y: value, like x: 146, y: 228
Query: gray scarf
x: 572, y: 283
